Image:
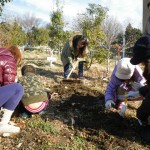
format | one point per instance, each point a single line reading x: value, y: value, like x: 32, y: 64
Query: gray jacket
x: 68, y: 52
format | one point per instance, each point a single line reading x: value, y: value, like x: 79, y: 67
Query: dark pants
x: 143, y: 112
x: 80, y: 68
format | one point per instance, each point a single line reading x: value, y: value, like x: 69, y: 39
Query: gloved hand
x: 71, y: 62
x: 109, y: 104
x: 132, y: 94
x: 73, y: 65
x: 136, y: 86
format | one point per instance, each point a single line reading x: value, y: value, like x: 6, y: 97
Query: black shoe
x: 145, y: 133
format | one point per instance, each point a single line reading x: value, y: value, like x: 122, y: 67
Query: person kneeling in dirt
x: 36, y: 97
x: 141, y: 54
x: 74, y: 48
x: 10, y: 92
x: 125, y: 78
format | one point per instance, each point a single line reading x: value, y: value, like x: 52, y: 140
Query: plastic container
x: 123, y: 109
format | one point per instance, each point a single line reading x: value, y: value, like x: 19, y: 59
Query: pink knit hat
x: 125, y: 69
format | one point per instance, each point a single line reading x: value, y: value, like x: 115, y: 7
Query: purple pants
x: 10, y: 95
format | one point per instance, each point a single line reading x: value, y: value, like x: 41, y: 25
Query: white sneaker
x: 8, y: 130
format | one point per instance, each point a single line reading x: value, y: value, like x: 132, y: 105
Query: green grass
x: 44, y: 126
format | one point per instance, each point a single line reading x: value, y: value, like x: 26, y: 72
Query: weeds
x: 44, y: 126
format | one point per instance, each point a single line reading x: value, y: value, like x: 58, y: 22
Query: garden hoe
x: 68, y: 80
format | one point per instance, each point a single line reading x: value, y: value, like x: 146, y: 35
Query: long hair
x: 16, y: 53
x: 76, y: 39
x: 146, y: 72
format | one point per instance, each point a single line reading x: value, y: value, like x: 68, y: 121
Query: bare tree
x: 111, y: 28
x: 76, y: 23
x: 28, y: 21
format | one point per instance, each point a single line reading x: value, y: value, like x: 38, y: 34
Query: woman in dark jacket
x: 141, y: 54
x: 74, y: 48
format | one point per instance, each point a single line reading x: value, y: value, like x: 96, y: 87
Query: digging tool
x: 73, y: 68
x: 124, y: 107
x: 67, y: 80
x: 125, y: 100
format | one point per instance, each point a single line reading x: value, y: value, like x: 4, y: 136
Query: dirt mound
x: 83, y: 108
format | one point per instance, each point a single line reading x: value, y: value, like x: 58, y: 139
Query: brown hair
x: 16, y: 53
x: 76, y: 39
x: 28, y: 68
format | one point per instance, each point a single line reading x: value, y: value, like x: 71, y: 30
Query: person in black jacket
x: 141, y: 54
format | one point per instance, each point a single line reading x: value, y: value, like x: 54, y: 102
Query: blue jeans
x: 10, y: 95
x: 80, y: 68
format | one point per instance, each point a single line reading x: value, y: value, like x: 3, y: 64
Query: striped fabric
x: 39, y: 109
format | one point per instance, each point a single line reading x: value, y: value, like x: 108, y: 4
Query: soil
x: 77, y: 117
x: 84, y: 110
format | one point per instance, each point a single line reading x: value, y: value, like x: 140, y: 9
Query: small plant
x: 79, y: 143
x: 45, y: 126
